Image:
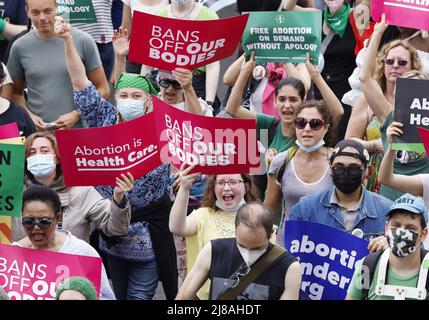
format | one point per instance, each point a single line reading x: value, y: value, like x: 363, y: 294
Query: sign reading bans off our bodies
x: 95, y: 156
x: 167, y: 43
x: 28, y: 274
x: 412, y: 110
x: 283, y: 36
x: 327, y: 257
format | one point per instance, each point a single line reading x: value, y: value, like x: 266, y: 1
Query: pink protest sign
x: 214, y: 145
x: 9, y: 130
x: 167, y: 43
x: 28, y: 274
x: 96, y: 156
x: 403, y: 13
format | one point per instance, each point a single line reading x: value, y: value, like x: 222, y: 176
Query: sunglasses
x: 42, y: 223
x: 165, y: 83
x: 401, y: 62
x: 315, y: 124
x: 351, y: 169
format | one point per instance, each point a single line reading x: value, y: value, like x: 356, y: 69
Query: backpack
x: 370, y: 261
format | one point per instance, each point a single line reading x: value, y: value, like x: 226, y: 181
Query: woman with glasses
x: 224, y: 195
x: 41, y: 214
x: 394, y: 60
x: 146, y: 253
x: 304, y: 168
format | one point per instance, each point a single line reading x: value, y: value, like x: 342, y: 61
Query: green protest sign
x: 76, y: 11
x: 283, y: 36
x: 11, y: 178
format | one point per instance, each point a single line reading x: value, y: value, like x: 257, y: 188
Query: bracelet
x: 2, y: 25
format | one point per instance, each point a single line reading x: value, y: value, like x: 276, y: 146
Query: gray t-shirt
x: 293, y: 188
x: 41, y: 64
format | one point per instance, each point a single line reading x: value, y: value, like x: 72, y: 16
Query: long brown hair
x: 209, y: 199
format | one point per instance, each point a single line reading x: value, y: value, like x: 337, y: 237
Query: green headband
x: 132, y: 80
x: 79, y: 284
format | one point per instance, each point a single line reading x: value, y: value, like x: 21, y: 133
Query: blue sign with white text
x: 327, y: 256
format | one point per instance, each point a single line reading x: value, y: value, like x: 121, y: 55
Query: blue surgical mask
x: 130, y: 108
x: 220, y: 206
x: 179, y: 1
x: 41, y: 165
x: 316, y: 147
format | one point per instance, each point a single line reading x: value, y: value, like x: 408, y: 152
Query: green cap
x: 79, y: 284
x: 132, y: 80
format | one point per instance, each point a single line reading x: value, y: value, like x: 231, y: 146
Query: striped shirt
x: 102, y: 31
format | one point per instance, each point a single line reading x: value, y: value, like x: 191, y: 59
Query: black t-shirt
x: 258, y: 5
x: 14, y: 12
x: 16, y: 113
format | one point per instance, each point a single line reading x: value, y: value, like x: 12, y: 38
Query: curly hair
x: 209, y: 199
x: 382, y: 54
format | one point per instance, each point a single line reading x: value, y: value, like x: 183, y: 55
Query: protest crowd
x: 135, y: 159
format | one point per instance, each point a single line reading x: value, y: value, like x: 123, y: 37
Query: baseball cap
x: 362, y: 154
x: 410, y: 203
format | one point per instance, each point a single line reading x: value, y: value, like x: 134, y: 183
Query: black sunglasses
x: 351, y: 169
x: 42, y: 223
x: 401, y: 62
x: 165, y: 83
x: 315, y: 124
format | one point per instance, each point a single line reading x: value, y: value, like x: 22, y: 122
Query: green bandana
x: 132, y: 80
x: 337, y: 21
x: 79, y: 284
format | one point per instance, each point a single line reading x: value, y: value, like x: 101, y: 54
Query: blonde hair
x: 379, y: 69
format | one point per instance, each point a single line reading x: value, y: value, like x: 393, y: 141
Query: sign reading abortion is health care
x: 76, y: 11
x: 95, y: 156
x: 327, y: 256
x: 167, y: 43
x: 283, y: 36
x: 412, y: 110
x: 28, y: 274
x: 404, y: 13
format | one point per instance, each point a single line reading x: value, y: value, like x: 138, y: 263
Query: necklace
x: 187, y: 14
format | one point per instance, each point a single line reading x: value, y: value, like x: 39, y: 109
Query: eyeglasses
x: 42, y: 223
x: 242, y: 270
x: 401, y: 62
x: 231, y: 183
x: 315, y: 124
x: 165, y: 83
x: 351, y: 169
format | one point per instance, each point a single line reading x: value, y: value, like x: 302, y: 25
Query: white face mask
x: 41, y: 165
x: 316, y: 147
x: 179, y: 1
x: 130, y: 108
x: 180, y: 105
x: 220, y: 206
x: 250, y: 256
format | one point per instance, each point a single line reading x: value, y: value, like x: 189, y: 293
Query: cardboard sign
x: 412, y: 110
x: 404, y: 13
x: 11, y: 178
x: 96, y: 156
x: 28, y: 274
x: 327, y: 256
x: 5, y: 229
x: 167, y: 43
x: 283, y: 36
x: 76, y: 11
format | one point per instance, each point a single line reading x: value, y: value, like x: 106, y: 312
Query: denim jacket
x: 317, y: 208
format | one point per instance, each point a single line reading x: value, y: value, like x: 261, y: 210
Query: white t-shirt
x: 139, y: 6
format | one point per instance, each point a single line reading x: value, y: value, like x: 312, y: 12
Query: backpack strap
x: 367, y: 272
x: 272, y: 130
x: 290, y: 153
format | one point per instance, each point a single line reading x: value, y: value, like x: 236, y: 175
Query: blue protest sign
x: 327, y: 256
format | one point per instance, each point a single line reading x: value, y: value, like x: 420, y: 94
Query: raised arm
x: 184, y: 77
x: 231, y: 74
x: 212, y: 80
x: 328, y: 95
x: 179, y: 223
x: 370, y: 87
x: 412, y: 184
x: 233, y: 106
x: 299, y: 72
x: 121, y: 46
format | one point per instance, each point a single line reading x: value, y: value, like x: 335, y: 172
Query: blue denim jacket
x: 317, y: 208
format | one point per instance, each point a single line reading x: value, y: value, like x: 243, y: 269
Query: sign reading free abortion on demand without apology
x: 327, y: 256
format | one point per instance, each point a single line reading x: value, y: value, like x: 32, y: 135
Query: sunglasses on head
x: 165, y: 83
x: 315, y: 124
x: 42, y: 223
x: 401, y: 62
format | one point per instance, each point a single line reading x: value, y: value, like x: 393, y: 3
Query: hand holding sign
x: 185, y: 180
x: 123, y: 185
x: 248, y: 66
x: 312, y: 70
x: 183, y: 76
x: 394, y: 130
x: 121, y: 44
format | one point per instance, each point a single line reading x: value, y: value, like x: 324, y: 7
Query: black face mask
x: 347, y: 179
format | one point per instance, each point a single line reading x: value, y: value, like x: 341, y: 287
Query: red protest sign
x: 28, y: 274
x: 95, y: 156
x: 214, y: 145
x: 167, y: 43
x: 424, y: 136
